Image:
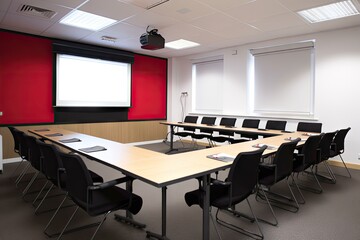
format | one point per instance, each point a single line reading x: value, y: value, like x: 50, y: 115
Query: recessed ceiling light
x: 87, y: 20
x: 329, y: 12
x: 181, y: 44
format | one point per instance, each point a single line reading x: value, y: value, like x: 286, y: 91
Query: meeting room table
x: 158, y: 169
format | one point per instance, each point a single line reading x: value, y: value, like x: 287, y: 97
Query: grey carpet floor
x: 332, y: 215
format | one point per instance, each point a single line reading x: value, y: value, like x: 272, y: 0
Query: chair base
x: 156, y: 236
x: 129, y: 221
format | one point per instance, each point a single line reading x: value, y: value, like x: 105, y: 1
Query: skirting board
x: 340, y: 164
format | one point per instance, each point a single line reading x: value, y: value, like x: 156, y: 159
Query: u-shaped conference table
x: 161, y: 170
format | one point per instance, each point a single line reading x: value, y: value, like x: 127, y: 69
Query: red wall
x: 25, y: 79
x: 26, y: 82
x: 148, y: 90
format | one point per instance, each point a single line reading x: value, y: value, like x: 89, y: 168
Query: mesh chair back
x: 339, y: 140
x: 309, y: 127
x: 243, y: 173
x: 325, y: 144
x: 51, y: 161
x: 190, y: 119
x: 208, y: 121
x: 309, y: 150
x: 78, y: 178
x: 227, y: 122
x: 251, y: 123
x: 16, y: 141
x: 284, y: 159
x: 34, y: 152
x: 275, y: 125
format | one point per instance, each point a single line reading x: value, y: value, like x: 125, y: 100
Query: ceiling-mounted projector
x: 151, y: 40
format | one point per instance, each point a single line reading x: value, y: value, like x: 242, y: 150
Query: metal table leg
x: 163, y: 219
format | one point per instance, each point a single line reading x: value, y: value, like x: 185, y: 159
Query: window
x: 207, y: 84
x: 283, y: 82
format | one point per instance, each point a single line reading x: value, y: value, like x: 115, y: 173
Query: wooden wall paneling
x: 124, y: 132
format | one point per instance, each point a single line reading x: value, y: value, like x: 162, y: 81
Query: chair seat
x: 200, y: 136
x: 183, y: 134
x: 240, y: 140
x: 220, y: 139
x: 111, y: 199
x: 218, y: 197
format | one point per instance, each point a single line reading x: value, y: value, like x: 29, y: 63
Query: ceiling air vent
x: 36, y: 11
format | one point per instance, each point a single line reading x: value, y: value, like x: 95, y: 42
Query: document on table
x: 93, y: 149
x: 70, y: 140
x: 222, y: 157
x: 269, y: 147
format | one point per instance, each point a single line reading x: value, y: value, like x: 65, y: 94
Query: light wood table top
x: 156, y: 168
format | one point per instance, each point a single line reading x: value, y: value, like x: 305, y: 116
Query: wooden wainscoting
x: 124, y: 132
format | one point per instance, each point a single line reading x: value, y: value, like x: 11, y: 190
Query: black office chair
x: 281, y: 168
x: 16, y: 147
x: 338, y: 146
x: 309, y: 127
x: 324, y: 146
x: 276, y: 125
x: 34, y: 159
x: 247, y: 123
x: 307, y: 159
x: 94, y: 199
x: 225, y: 136
x: 238, y: 186
x: 24, y: 154
x: 187, y: 131
x: 204, y: 133
x: 51, y: 166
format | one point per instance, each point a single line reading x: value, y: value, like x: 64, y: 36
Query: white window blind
x: 207, y: 82
x: 284, y: 79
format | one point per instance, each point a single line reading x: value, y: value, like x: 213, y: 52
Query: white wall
x: 337, y: 82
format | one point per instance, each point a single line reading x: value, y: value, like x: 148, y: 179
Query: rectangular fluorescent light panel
x: 87, y: 20
x: 181, y: 44
x: 329, y: 12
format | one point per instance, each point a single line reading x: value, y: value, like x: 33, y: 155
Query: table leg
x: 163, y: 219
x: 172, y: 131
x: 129, y: 217
x: 206, y: 207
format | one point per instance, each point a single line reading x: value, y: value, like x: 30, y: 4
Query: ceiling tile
x: 111, y: 8
x: 4, y: 5
x: 296, y: 5
x: 17, y: 22
x: 184, y: 10
x: 62, y: 31
x: 152, y: 19
x: 65, y: 3
x: 257, y: 10
x: 222, y: 25
x: 281, y: 21
x: 120, y: 31
x: 224, y: 5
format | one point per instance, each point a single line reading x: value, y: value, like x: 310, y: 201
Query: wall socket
x: 184, y: 93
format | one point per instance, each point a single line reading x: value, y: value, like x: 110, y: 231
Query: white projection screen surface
x: 89, y: 82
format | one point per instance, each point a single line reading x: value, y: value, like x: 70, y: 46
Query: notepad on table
x: 269, y: 147
x: 222, y: 157
x: 285, y: 131
x: 42, y: 130
x: 262, y: 129
x: 70, y: 140
x: 293, y: 138
x: 93, y: 149
x: 310, y: 134
x: 54, y: 135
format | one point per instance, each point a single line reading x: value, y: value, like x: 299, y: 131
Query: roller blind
x: 284, y: 79
x: 207, y: 82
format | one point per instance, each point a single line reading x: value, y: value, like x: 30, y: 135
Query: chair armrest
x: 267, y: 165
x: 60, y: 171
x: 110, y: 183
x: 218, y: 182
